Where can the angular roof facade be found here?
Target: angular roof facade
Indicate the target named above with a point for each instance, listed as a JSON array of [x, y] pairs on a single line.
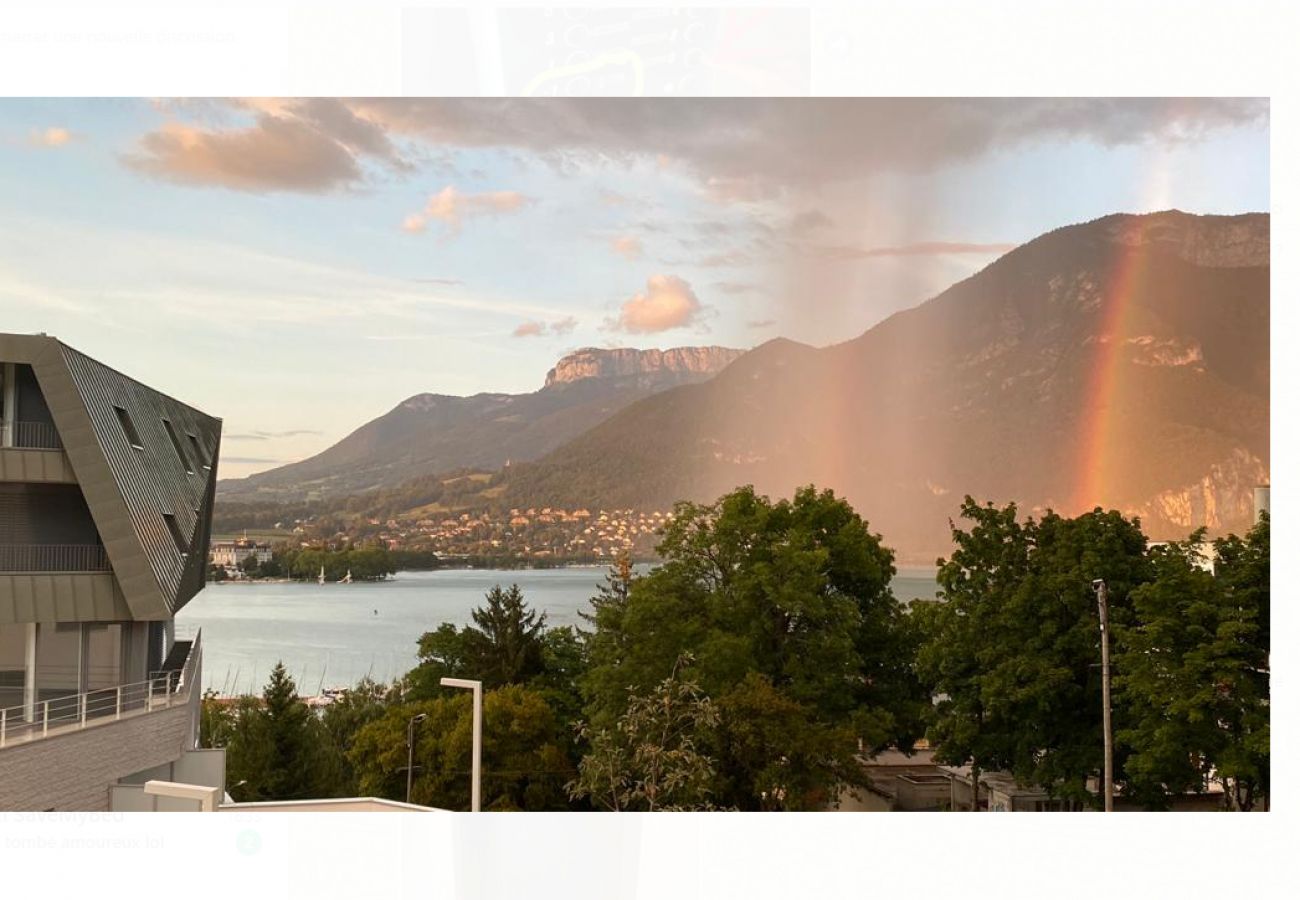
[[146, 464]]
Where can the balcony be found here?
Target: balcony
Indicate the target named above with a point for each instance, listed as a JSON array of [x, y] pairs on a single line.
[[32, 436], [164, 690], [53, 558]]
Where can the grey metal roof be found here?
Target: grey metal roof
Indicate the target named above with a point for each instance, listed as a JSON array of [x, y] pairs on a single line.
[[131, 490]]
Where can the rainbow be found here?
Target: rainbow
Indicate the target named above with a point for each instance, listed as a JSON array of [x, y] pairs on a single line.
[[1100, 448]]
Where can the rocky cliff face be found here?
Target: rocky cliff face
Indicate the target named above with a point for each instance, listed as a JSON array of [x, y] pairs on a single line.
[[593, 362], [1201, 240]]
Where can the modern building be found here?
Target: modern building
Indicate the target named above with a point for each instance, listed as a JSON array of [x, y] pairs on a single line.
[[106, 493]]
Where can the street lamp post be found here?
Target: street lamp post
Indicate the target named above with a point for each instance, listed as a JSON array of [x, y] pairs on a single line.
[[1103, 613], [410, 751], [476, 772]]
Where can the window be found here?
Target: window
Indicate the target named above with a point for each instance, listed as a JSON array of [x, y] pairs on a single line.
[[198, 451], [128, 427], [181, 544], [180, 451]]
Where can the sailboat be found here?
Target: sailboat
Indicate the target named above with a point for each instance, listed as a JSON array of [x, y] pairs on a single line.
[[347, 579], [320, 579]]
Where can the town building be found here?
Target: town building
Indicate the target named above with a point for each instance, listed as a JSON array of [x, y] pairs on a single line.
[[106, 494], [231, 554], [899, 782]]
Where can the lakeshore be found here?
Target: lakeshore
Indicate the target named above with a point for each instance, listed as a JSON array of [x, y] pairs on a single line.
[[332, 635]]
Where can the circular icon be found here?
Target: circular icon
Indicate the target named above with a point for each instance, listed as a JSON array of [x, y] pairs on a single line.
[[248, 842]]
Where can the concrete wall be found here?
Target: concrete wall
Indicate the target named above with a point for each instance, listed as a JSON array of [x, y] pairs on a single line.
[[35, 466]]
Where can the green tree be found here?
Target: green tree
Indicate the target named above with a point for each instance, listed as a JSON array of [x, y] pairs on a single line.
[[795, 591], [507, 638], [503, 645], [564, 664], [525, 765], [779, 752], [445, 651], [344, 718], [1011, 652], [216, 721], [1193, 673], [651, 759], [278, 748]]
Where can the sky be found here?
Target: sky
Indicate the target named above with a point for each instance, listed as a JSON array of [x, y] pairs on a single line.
[[298, 267]]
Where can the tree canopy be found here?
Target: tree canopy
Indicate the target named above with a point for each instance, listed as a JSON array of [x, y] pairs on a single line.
[[793, 592], [1193, 672]]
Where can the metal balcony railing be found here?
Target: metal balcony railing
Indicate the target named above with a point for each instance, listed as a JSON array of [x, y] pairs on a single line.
[[35, 436], [53, 558], [58, 715]]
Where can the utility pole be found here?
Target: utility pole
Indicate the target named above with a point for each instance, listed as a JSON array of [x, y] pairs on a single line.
[[1103, 612], [410, 751]]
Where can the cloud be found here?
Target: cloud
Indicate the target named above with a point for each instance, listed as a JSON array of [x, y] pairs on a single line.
[[668, 302], [735, 287], [761, 323], [451, 207], [274, 155], [617, 199], [922, 248], [305, 146], [744, 149], [739, 149], [268, 435], [49, 137], [538, 328], [529, 329], [809, 221], [627, 246], [734, 258]]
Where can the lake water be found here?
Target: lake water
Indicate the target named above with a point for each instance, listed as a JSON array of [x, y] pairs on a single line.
[[334, 634]]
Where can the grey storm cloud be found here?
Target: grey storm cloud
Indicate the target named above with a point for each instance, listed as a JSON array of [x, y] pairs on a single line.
[[740, 149]]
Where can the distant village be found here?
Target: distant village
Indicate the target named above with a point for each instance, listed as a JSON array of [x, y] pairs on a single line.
[[535, 535]]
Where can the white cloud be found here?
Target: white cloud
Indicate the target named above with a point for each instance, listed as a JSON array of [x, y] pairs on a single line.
[[50, 137], [451, 207], [531, 328], [538, 328], [628, 246], [667, 302]]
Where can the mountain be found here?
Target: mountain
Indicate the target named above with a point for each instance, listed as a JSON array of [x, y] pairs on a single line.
[[432, 433], [1122, 362]]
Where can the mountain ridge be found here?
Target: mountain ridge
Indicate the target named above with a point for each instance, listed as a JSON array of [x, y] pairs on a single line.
[[985, 389], [430, 432]]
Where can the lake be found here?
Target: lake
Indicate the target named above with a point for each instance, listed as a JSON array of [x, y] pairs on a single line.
[[332, 635]]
